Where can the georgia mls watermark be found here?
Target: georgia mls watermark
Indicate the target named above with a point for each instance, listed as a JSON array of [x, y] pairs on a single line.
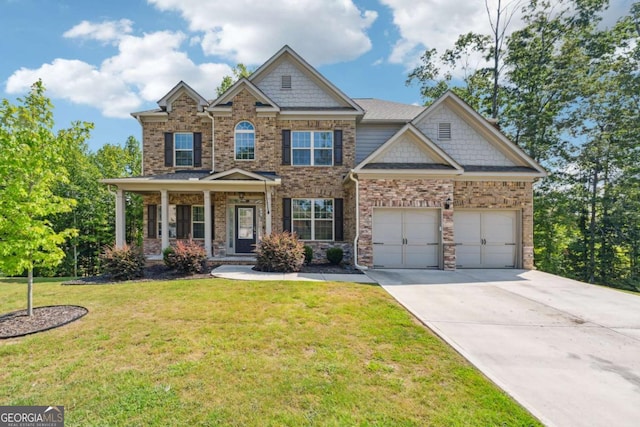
[[31, 416]]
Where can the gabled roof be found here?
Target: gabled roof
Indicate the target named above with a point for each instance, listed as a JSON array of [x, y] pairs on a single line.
[[165, 101], [287, 52], [486, 129], [241, 174], [443, 163], [378, 110], [237, 87]]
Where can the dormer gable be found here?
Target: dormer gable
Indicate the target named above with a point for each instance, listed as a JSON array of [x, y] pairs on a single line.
[[409, 150], [225, 101], [165, 103], [470, 139], [291, 82]]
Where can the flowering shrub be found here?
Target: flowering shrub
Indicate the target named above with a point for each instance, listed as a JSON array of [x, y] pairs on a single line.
[[123, 263], [281, 252], [186, 257]]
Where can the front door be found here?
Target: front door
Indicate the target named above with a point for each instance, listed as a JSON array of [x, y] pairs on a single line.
[[245, 229]]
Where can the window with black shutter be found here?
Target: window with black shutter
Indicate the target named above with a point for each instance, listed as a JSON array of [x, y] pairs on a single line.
[[337, 147], [286, 147], [152, 221], [183, 221]]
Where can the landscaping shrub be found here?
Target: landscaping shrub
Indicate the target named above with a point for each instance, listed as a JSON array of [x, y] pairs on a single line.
[[186, 257], [334, 255], [123, 264], [308, 254], [281, 252]]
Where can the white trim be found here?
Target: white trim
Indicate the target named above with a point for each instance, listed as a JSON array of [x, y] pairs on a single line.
[[166, 101], [235, 142], [257, 75], [313, 219], [428, 144], [208, 229], [493, 135], [243, 83], [312, 147]]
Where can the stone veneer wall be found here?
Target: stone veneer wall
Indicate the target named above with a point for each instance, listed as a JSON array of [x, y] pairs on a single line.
[[405, 193], [501, 195], [182, 118]]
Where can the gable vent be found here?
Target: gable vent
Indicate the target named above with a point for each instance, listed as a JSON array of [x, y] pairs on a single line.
[[444, 130], [286, 82]]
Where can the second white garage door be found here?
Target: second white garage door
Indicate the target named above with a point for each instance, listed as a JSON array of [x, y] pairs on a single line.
[[486, 239], [406, 238]]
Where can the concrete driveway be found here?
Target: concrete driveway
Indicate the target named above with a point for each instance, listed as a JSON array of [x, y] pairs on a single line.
[[567, 351]]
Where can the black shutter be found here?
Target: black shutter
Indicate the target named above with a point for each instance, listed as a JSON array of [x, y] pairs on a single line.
[[213, 223], [286, 147], [338, 219], [337, 147], [286, 214], [152, 221], [168, 149], [197, 149], [183, 219]]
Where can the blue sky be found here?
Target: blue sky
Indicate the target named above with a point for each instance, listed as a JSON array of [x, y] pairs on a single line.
[[102, 60]]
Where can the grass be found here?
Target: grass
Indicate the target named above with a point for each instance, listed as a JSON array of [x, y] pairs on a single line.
[[217, 352]]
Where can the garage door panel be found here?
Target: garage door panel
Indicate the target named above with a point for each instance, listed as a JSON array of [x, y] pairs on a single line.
[[386, 255], [499, 256], [499, 227], [467, 227], [468, 256], [421, 256], [387, 226], [485, 239], [406, 238]]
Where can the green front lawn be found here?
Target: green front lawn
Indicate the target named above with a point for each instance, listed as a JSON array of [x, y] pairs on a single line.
[[219, 352]]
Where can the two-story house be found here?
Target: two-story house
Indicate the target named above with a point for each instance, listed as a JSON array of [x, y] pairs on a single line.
[[394, 185]]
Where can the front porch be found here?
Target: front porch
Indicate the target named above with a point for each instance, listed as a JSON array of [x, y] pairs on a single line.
[[226, 212]]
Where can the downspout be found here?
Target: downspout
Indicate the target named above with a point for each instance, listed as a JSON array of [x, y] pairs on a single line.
[[141, 146], [213, 142], [355, 240]]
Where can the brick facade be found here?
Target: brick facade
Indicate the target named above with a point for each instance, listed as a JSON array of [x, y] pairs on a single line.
[[183, 117]]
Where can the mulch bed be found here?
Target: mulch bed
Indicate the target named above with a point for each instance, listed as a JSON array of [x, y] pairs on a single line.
[[161, 272], [18, 323]]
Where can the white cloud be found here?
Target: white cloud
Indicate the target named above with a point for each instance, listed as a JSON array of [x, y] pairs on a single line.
[[107, 31], [250, 31], [144, 69], [437, 24]]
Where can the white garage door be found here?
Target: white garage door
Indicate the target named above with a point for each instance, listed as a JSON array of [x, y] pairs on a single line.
[[406, 238], [485, 239]]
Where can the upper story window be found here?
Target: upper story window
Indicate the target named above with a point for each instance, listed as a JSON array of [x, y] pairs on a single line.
[[286, 82], [311, 148], [183, 149], [444, 130], [245, 141]]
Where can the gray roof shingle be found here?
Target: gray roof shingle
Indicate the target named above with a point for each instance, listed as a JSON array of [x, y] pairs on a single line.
[[380, 110]]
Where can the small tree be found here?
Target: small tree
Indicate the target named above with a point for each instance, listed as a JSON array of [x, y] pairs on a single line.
[[31, 167]]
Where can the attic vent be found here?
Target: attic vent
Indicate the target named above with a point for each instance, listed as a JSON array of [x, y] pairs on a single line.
[[286, 82], [444, 131]]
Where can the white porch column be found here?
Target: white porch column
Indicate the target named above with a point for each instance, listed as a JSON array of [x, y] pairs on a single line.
[[207, 223], [120, 219], [267, 202], [164, 200]]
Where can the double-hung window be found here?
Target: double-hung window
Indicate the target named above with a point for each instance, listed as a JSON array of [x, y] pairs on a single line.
[[312, 148], [245, 141], [312, 219], [197, 222], [183, 143]]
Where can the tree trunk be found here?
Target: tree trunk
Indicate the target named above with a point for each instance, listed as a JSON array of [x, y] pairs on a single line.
[[592, 228], [30, 292]]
